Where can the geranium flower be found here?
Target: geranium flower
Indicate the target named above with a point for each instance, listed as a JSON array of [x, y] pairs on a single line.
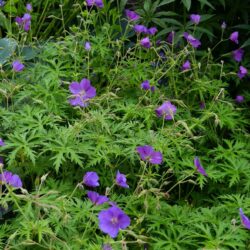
[[193, 41], [239, 98], [167, 110], [24, 22], [238, 55], [234, 37], [29, 7], [195, 18], [242, 72], [106, 247], [121, 180], [17, 66], [131, 15], [148, 154], [91, 179], [244, 219], [82, 92], [87, 46], [112, 220], [96, 198], [186, 66], [2, 142], [152, 31], [11, 179], [138, 28], [145, 42], [170, 37], [223, 25], [199, 167], [146, 86], [98, 3]]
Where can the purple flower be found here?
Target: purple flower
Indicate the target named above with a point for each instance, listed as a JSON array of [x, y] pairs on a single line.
[[145, 42], [202, 105], [11, 179], [152, 31], [244, 219], [223, 25], [112, 220], [82, 92], [106, 247], [147, 153], [186, 66], [239, 98], [29, 7], [170, 37], [167, 110], [193, 41], [24, 21], [234, 37], [87, 46], [146, 86], [121, 180], [140, 29], [242, 72], [132, 15], [90, 2], [99, 3], [1, 161], [2, 3], [17, 66], [91, 179], [199, 167], [2, 142], [238, 54], [96, 198], [195, 18]]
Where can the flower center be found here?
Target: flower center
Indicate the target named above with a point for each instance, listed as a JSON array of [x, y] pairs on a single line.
[[114, 220]]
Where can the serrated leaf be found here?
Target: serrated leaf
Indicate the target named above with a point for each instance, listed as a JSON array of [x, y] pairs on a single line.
[[7, 48], [187, 4], [165, 2], [246, 43]]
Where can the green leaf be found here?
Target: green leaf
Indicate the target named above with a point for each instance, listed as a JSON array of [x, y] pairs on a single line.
[[9, 7], [246, 43], [205, 2], [165, 2], [187, 4], [5, 22], [29, 53], [7, 48]]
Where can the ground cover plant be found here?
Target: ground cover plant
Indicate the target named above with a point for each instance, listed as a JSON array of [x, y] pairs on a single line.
[[123, 126]]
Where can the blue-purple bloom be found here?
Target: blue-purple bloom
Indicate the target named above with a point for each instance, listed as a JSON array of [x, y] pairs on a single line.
[[146, 86], [244, 219], [121, 180], [170, 37], [234, 37], [145, 42], [186, 65], [202, 105], [82, 92], [147, 153], [193, 41], [199, 167], [106, 247], [112, 220], [17, 66], [195, 18], [242, 72], [138, 28], [98, 3], [11, 179], [91, 179], [152, 31], [2, 142], [96, 198], [2, 3], [29, 7], [24, 22], [167, 110], [1, 161], [87, 46], [238, 55], [239, 98], [131, 15]]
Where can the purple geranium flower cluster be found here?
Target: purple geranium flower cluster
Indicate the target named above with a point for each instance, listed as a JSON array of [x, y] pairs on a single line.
[[147, 153], [24, 22], [11, 179], [97, 3], [113, 219], [81, 93]]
